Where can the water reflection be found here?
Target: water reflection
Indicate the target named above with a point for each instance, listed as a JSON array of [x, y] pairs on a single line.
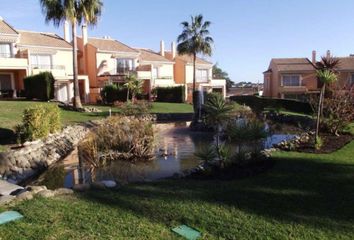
[[175, 148]]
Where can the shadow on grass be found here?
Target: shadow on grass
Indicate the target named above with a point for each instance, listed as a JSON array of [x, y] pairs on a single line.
[[7, 136], [295, 190]]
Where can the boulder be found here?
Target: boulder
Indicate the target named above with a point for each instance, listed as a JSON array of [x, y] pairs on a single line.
[[63, 191], [81, 187], [46, 193], [36, 189], [109, 183], [6, 199], [25, 196]]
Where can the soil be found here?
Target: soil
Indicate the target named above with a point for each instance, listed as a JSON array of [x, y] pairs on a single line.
[[331, 143]]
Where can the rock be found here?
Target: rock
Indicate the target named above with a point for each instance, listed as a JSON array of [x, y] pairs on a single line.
[[36, 189], [98, 186], [109, 183], [6, 199], [81, 187], [25, 196], [63, 191], [46, 193]]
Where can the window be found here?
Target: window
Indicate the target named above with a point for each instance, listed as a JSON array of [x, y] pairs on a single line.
[[291, 80], [41, 61], [201, 75], [351, 80], [5, 82], [5, 50], [125, 64]]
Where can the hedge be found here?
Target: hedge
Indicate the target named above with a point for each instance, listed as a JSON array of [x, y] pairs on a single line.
[[40, 86], [170, 94], [38, 122], [259, 104], [111, 93]]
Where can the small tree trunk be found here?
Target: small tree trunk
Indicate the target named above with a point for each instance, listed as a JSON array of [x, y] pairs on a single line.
[[127, 94], [77, 100], [319, 113], [194, 71]]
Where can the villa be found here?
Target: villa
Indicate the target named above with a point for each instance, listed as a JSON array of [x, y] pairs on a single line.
[[295, 78], [25, 53]]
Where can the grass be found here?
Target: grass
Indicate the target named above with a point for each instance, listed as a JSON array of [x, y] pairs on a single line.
[[304, 196], [11, 112]]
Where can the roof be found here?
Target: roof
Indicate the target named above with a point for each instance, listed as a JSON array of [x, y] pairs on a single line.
[[293, 64], [111, 45], [5, 28], [346, 63], [188, 58], [29, 38], [149, 55]]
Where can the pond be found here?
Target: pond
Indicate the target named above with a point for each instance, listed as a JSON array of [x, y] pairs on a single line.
[[175, 148]]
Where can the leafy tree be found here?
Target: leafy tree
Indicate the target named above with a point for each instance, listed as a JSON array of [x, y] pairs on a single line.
[[218, 73], [134, 86], [76, 12], [195, 39], [326, 74]]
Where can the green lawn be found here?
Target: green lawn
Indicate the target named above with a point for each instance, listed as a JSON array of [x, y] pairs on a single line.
[[11, 111], [304, 196]]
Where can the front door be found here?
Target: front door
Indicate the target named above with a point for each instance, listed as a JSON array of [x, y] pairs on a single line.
[[6, 85]]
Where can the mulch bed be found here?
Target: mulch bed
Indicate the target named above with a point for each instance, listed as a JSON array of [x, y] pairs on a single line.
[[331, 143]]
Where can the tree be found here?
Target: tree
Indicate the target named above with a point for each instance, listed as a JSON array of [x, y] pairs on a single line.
[[217, 111], [218, 73], [326, 74], [195, 39], [76, 12], [134, 86]]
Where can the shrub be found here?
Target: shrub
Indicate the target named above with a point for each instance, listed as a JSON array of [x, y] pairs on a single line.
[[119, 138], [170, 94], [258, 104], [111, 93], [40, 86], [138, 108], [251, 129], [38, 122]]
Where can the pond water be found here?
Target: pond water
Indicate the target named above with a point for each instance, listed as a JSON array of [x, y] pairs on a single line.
[[175, 148]]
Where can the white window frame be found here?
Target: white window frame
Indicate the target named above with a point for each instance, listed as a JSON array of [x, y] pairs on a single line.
[[38, 65], [202, 80], [125, 59], [12, 78], [11, 50], [298, 75]]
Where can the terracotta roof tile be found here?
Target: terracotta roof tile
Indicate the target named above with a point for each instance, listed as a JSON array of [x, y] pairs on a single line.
[[293, 64], [5, 28], [346, 63], [188, 58], [111, 45], [149, 55], [42, 39]]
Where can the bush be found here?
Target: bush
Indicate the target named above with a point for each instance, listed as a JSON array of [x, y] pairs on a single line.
[[111, 93], [258, 104], [138, 108], [250, 130], [38, 122], [170, 94], [40, 86]]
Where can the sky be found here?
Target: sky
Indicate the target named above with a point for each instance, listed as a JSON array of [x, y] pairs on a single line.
[[247, 33]]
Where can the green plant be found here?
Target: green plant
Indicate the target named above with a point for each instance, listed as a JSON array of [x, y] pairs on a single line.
[[40, 86], [134, 86], [206, 153], [319, 143], [139, 108], [38, 122], [249, 130], [75, 12]]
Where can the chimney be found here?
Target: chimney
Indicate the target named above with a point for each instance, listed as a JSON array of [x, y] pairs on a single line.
[[328, 54], [84, 34], [173, 49], [66, 31], [314, 57], [162, 48]]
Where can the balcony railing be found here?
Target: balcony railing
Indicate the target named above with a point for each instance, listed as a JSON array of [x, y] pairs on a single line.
[[6, 55], [125, 70], [48, 67]]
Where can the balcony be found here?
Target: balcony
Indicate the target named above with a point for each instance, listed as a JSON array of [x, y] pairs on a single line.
[[293, 89], [56, 70], [9, 61], [125, 71]]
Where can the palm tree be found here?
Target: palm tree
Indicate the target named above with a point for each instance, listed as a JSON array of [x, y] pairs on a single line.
[[133, 85], [217, 113], [326, 74], [195, 39], [76, 12]]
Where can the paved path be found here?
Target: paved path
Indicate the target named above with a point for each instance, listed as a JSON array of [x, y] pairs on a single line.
[[6, 188]]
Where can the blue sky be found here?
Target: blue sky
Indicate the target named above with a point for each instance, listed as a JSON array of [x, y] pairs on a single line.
[[247, 33]]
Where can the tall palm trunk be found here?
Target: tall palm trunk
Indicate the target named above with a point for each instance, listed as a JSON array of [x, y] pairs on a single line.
[[194, 72], [77, 100], [319, 112]]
